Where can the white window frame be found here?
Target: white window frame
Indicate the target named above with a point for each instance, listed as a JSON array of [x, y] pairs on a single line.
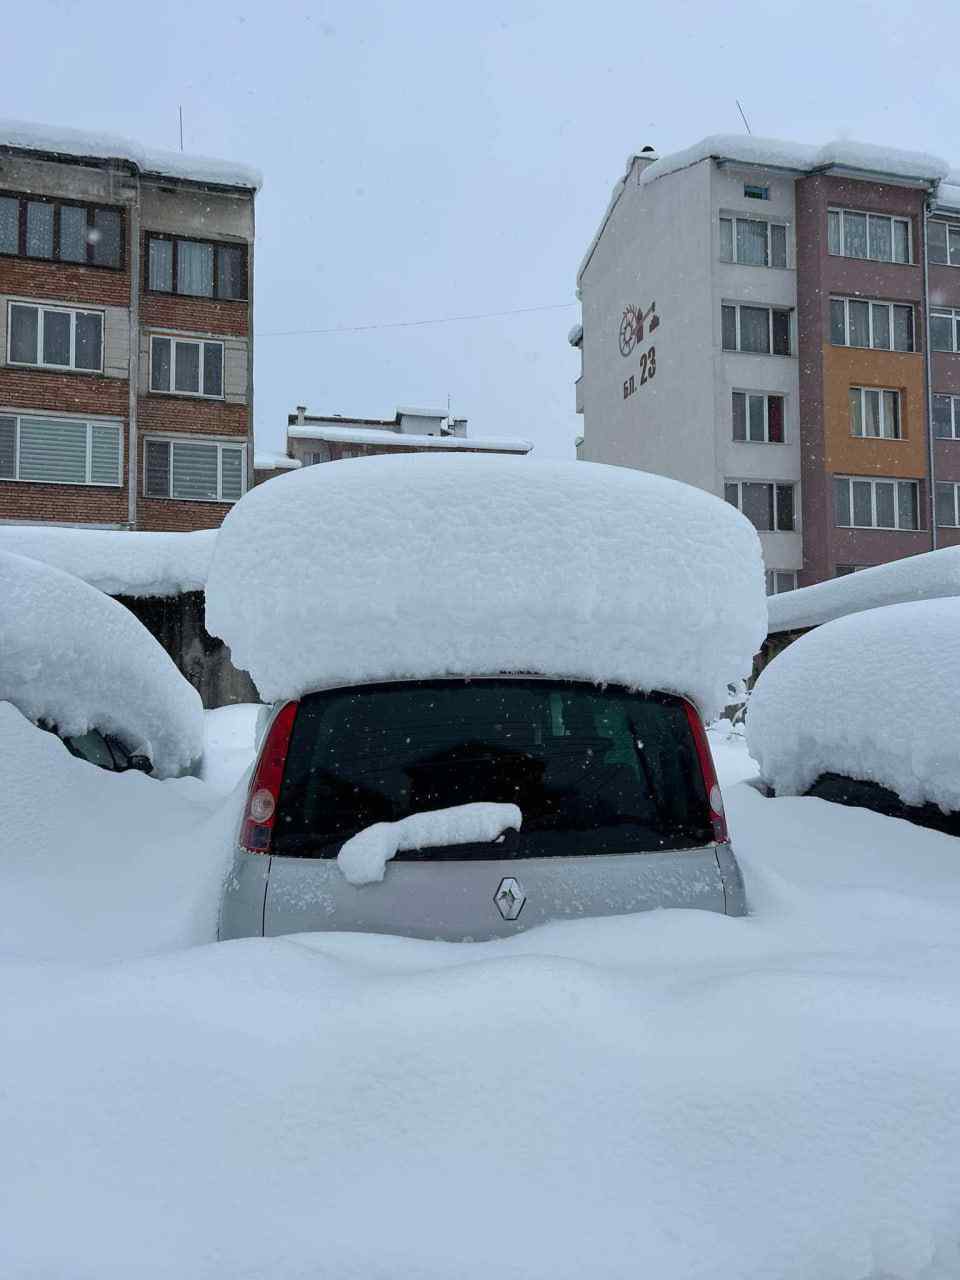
[[784, 484], [202, 343], [41, 308], [870, 304], [220, 446], [873, 481], [771, 580], [90, 423], [954, 416], [948, 484], [862, 435], [868, 214], [734, 218], [744, 391], [947, 224], [952, 314], [759, 306]]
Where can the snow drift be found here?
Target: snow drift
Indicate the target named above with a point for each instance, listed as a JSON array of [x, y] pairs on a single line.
[[382, 568], [71, 655], [874, 696]]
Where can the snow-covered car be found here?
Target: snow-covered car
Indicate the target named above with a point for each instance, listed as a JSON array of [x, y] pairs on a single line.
[[865, 711], [475, 737], [76, 662]]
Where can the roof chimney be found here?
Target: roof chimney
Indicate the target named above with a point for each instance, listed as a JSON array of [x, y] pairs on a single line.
[[646, 157], [301, 414]]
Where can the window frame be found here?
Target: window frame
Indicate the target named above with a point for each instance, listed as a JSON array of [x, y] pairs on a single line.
[[24, 198], [754, 191], [873, 481], [216, 245], [771, 576], [73, 312], [202, 343], [953, 314], [770, 309], [955, 487], [769, 224], [775, 484], [870, 304], [947, 224], [863, 435], [90, 422], [766, 395], [156, 437], [954, 415], [868, 214]]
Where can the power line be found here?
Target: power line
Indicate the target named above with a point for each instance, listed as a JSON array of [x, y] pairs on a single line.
[[410, 324]]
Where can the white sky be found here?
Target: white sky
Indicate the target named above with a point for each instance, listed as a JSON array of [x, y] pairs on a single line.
[[440, 159]]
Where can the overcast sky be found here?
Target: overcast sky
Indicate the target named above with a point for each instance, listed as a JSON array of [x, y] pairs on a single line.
[[427, 160]]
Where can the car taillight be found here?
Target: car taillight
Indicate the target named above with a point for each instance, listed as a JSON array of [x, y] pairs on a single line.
[[714, 798], [264, 794]]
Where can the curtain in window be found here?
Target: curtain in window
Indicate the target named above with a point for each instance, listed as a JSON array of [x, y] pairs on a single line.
[[881, 326], [726, 240], [194, 470], [841, 502], [859, 323], [937, 242], [187, 367], [942, 418], [907, 504], [754, 329], [903, 328], [946, 506], [862, 503], [231, 464], [9, 225], [838, 335], [8, 448], [195, 268], [856, 412], [834, 242], [53, 450], [941, 331], [881, 242], [104, 454], [886, 518], [56, 338], [161, 265], [751, 242], [855, 235]]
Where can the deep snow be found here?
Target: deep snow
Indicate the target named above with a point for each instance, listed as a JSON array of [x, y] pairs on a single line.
[[422, 565]]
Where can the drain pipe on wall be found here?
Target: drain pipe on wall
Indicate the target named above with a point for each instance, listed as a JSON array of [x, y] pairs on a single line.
[[133, 462], [928, 374]]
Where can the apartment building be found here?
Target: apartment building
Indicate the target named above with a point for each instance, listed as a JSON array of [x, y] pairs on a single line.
[[126, 342], [780, 324]]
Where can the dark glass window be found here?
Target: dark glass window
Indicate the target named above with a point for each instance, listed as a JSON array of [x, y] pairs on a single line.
[[39, 229], [593, 771], [106, 238], [61, 231]]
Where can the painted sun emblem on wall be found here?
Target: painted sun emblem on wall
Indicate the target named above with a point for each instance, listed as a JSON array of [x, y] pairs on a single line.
[[633, 323]]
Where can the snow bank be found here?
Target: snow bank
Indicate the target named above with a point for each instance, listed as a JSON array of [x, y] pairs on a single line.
[[86, 145], [116, 561], [923, 577], [874, 696], [364, 857], [419, 566], [229, 743], [72, 655]]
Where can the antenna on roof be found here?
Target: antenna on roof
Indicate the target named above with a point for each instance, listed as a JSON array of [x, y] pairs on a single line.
[[736, 100], [180, 109]]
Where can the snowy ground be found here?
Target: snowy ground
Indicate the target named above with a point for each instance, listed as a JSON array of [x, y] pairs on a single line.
[[673, 1094]]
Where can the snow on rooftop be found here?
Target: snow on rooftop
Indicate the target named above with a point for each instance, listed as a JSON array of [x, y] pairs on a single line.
[[400, 439], [415, 566], [921, 577], [117, 561], [421, 413], [872, 696], [263, 460], [86, 145], [71, 655]]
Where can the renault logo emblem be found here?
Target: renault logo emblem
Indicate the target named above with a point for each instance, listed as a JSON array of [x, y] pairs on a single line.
[[510, 898]]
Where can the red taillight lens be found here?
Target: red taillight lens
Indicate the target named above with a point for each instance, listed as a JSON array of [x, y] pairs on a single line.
[[711, 786], [261, 811]]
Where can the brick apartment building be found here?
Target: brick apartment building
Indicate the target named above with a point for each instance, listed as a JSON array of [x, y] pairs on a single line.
[[780, 324], [329, 438], [126, 348]]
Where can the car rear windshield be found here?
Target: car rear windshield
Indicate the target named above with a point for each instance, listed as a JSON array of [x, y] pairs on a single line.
[[593, 770]]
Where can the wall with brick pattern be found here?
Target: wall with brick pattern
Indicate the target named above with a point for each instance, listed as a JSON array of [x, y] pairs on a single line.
[[70, 393], [180, 517], [193, 315], [65, 282], [192, 417]]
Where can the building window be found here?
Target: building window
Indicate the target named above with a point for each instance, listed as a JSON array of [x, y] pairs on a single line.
[[946, 417], [764, 330], [948, 505], [186, 367], [943, 243], [751, 242], [876, 504], [875, 412], [844, 570], [55, 337], [194, 470], [60, 450], [196, 268], [886, 326], [768, 506], [779, 580], [868, 235], [61, 231], [752, 192], [757, 417], [944, 326]]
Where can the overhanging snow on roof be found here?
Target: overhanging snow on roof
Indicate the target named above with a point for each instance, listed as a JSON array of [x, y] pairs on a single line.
[[79, 144], [364, 435]]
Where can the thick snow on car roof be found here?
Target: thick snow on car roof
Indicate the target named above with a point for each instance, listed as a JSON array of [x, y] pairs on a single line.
[[71, 655], [424, 565], [874, 696]]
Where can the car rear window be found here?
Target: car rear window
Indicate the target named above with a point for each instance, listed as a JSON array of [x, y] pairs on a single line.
[[593, 770]]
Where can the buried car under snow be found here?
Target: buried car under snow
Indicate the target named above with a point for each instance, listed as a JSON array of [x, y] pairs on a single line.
[[489, 676], [78, 663]]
